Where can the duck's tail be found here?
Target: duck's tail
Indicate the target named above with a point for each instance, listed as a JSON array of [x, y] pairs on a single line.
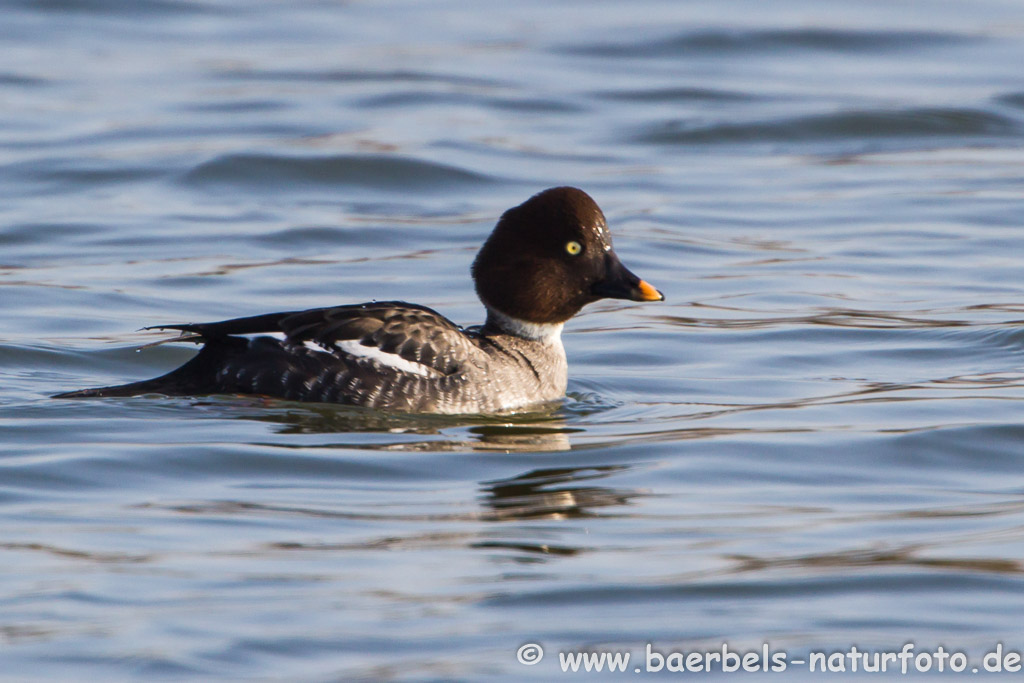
[[158, 385], [191, 378]]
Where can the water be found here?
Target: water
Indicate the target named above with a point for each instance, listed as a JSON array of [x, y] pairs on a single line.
[[813, 443]]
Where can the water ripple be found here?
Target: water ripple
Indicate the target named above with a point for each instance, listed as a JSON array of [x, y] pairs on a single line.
[[728, 41], [356, 76], [404, 99], [275, 171], [676, 94], [839, 126], [21, 80]]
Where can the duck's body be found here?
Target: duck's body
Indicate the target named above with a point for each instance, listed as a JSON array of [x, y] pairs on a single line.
[[543, 262], [387, 355]]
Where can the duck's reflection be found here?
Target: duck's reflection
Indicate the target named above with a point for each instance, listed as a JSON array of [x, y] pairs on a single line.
[[554, 493], [546, 494], [549, 494], [540, 430]]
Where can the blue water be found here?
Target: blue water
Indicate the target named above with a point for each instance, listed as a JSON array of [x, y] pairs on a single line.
[[814, 443]]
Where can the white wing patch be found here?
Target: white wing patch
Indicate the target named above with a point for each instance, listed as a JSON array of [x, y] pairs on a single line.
[[279, 336], [392, 360]]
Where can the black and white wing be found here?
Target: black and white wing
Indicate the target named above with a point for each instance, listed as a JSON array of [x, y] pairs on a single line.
[[405, 337]]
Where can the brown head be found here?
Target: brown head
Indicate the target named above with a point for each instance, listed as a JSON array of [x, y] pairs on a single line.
[[550, 256]]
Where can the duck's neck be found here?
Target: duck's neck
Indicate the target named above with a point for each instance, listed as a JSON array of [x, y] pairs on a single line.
[[549, 333]]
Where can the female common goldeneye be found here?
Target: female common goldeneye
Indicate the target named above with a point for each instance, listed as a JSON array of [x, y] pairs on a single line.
[[544, 261]]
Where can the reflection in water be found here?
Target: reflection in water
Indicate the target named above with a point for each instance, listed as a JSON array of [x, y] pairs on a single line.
[[542, 429], [542, 494], [525, 438], [537, 494], [550, 494], [554, 494], [897, 557]]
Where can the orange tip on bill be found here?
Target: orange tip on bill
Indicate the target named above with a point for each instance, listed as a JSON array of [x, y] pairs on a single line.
[[649, 293]]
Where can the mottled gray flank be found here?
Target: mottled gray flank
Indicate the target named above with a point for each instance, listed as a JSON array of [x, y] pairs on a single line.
[[490, 371]]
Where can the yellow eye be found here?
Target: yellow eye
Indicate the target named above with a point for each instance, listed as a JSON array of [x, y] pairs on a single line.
[[573, 247]]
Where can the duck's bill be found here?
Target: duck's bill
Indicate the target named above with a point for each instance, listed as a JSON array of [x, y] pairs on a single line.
[[620, 283], [646, 292]]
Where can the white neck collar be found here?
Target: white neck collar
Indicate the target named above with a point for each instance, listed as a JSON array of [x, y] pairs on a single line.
[[550, 333]]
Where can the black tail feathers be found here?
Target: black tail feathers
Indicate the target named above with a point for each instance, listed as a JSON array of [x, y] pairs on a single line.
[[149, 386], [192, 378]]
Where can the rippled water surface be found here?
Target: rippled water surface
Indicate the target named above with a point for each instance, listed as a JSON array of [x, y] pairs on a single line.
[[814, 443]]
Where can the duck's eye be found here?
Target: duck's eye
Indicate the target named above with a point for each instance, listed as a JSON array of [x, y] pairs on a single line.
[[573, 247]]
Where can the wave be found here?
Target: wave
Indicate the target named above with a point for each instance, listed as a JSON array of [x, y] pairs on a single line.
[[914, 122], [719, 41], [339, 169]]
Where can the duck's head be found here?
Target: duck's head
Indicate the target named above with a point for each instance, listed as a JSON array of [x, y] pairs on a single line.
[[549, 257]]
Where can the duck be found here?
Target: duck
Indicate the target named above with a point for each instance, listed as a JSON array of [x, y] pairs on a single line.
[[544, 261]]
